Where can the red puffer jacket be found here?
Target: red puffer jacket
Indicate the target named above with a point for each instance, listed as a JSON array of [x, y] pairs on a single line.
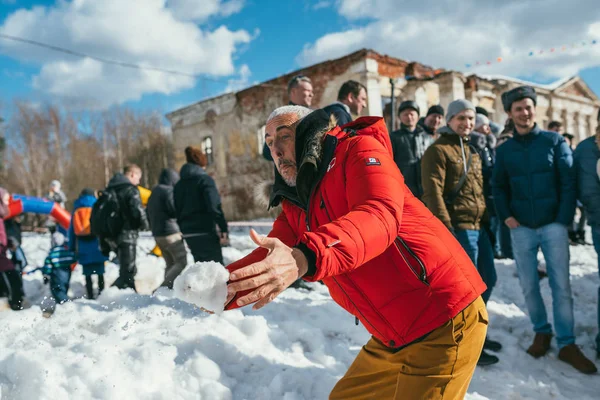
[[383, 255]]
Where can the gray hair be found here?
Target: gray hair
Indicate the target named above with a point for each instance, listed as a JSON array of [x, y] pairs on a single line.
[[300, 111], [295, 81]]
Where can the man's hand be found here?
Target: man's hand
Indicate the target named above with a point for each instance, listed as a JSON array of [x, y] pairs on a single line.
[[271, 276], [224, 239], [512, 223]]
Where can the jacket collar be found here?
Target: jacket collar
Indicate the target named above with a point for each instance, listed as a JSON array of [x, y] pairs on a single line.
[[535, 131]]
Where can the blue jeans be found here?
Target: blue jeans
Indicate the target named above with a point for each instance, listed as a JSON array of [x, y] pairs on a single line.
[[469, 241], [478, 247], [596, 240], [554, 241], [495, 228], [59, 284], [485, 264]]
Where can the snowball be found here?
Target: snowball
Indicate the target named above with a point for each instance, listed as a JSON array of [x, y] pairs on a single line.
[[203, 284]]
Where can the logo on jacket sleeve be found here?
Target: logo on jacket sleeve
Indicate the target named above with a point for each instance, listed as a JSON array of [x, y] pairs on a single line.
[[372, 161]]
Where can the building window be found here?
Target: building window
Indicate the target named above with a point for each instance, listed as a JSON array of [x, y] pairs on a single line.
[[207, 149], [260, 135]]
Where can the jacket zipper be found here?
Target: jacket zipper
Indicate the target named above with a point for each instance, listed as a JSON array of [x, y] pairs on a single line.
[[420, 276], [356, 308], [323, 206], [529, 187]]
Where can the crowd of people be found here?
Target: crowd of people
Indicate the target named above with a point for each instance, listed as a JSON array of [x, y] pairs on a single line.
[[422, 210], [178, 211], [355, 196]]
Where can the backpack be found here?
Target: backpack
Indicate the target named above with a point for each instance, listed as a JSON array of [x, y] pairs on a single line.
[[106, 220], [81, 223]]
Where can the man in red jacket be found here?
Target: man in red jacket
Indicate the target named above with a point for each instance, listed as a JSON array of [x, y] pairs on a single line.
[[349, 220]]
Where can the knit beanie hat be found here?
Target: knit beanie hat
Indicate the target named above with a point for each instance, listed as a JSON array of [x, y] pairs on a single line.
[[409, 104], [437, 109], [457, 106], [58, 239], [481, 120], [87, 192]]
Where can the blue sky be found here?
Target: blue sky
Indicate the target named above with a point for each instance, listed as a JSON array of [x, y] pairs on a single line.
[[251, 41]]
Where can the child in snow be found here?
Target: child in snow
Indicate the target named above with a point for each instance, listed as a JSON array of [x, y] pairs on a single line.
[[84, 244], [57, 268]]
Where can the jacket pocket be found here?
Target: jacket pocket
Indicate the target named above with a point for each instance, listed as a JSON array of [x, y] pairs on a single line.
[[412, 261]]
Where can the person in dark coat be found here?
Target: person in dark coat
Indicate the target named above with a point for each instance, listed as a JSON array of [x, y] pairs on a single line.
[[409, 144], [587, 161], [352, 99], [163, 223], [11, 285], [534, 191], [134, 220], [198, 209], [87, 248], [433, 120], [577, 228]]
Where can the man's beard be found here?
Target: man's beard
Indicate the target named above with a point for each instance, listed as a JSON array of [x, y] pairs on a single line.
[[290, 181]]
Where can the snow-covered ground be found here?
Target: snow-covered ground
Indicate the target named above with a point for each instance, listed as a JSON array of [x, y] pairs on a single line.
[[137, 346]]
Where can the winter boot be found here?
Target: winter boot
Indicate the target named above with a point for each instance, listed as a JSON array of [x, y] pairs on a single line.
[[492, 345], [487, 359], [572, 355], [541, 345]]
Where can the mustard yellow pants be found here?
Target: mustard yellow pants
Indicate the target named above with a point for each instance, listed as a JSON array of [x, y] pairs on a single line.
[[439, 367]]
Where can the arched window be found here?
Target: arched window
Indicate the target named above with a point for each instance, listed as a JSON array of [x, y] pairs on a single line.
[[207, 149]]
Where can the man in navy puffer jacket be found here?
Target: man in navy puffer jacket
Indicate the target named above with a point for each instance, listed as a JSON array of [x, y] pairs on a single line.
[[533, 185]]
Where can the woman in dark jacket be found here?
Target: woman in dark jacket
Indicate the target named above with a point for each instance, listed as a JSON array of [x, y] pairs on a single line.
[[11, 284], [198, 209]]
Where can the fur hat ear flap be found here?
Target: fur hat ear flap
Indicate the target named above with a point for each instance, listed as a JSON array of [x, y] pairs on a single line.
[[332, 122], [262, 193]]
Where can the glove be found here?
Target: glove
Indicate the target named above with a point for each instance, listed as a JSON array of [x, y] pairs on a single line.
[[46, 279]]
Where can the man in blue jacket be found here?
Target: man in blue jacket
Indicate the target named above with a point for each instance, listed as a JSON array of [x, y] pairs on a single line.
[[586, 158], [533, 185]]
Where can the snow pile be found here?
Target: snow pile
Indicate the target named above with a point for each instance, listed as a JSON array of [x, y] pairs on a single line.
[[203, 284], [143, 346]]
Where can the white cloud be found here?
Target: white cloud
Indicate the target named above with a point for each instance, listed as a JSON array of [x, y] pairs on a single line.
[[321, 4], [451, 34], [201, 10], [242, 82], [145, 32]]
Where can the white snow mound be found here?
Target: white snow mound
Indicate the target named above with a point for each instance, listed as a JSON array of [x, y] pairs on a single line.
[[203, 284]]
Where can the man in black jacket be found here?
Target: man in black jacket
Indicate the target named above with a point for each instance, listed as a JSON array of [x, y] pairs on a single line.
[[163, 223], [433, 120], [352, 98], [134, 220], [198, 209], [409, 143]]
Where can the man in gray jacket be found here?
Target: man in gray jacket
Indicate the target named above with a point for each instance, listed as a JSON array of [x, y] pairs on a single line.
[[163, 222]]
